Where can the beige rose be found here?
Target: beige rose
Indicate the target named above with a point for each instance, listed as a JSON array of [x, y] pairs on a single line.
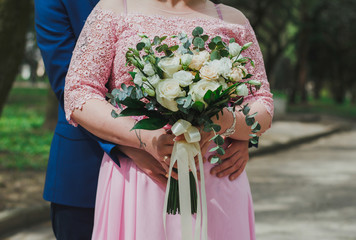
[[238, 73], [209, 72], [167, 90], [199, 60]]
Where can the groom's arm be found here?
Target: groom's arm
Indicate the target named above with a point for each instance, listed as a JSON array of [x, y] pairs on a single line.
[[56, 40]]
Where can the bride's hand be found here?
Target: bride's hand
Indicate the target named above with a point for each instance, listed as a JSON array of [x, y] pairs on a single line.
[[233, 161], [148, 164]]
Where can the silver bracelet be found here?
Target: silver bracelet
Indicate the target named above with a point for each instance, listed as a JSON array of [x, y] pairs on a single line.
[[228, 132]]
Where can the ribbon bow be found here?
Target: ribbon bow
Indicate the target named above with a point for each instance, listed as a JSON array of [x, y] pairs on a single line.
[[184, 153]]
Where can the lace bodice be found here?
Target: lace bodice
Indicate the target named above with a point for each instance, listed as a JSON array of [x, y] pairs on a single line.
[[98, 62]]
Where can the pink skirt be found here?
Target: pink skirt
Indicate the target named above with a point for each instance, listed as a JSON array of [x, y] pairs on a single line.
[[129, 206]]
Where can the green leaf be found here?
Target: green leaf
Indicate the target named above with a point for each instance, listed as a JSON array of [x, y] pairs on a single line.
[[197, 31], [232, 40], [214, 149], [208, 97], [162, 48], [239, 101], [199, 42], [199, 106], [150, 124], [250, 121], [163, 38], [133, 74], [132, 112], [215, 160], [216, 127], [114, 114], [205, 37], [246, 110], [215, 55], [220, 151], [133, 103], [140, 46], [252, 115], [253, 141], [174, 48], [212, 45], [156, 40], [224, 53], [216, 39], [219, 140]]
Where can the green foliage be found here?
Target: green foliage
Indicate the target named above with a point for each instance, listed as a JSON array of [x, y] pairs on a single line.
[[24, 144]]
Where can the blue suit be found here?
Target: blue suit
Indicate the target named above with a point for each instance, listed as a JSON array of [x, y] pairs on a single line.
[[75, 155]]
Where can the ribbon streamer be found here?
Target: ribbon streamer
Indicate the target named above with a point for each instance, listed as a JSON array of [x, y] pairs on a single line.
[[184, 153]]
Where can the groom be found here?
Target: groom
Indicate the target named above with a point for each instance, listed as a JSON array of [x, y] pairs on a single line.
[[75, 155]]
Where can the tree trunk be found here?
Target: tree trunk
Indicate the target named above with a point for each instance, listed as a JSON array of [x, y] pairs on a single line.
[[14, 20]]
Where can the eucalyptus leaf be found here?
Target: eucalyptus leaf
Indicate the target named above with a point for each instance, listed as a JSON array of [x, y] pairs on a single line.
[[199, 42], [197, 31], [220, 151], [114, 114], [219, 140], [250, 121], [215, 55], [215, 160], [246, 110], [212, 45], [214, 149], [216, 127], [140, 46]]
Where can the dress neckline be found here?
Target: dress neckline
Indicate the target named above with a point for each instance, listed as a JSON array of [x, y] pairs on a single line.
[[170, 18]]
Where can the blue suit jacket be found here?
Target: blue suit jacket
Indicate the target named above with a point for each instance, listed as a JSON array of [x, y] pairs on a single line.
[[75, 155]]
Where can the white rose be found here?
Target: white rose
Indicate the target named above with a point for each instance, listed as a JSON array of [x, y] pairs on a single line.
[[138, 78], [186, 59], [199, 60], [167, 90], [234, 49], [242, 90], [199, 89], [170, 65], [223, 83], [238, 73], [184, 78], [154, 80], [223, 66], [209, 72], [148, 69]]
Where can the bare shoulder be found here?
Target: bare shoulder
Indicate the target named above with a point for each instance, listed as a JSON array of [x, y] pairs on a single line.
[[116, 6], [232, 15]]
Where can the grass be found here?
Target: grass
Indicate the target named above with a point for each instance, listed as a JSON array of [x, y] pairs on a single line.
[[24, 144], [325, 105]]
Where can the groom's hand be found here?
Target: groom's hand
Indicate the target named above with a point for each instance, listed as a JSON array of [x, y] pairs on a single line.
[[147, 163], [233, 161]]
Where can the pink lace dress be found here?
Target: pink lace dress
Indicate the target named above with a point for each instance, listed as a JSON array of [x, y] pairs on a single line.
[[129, 204]]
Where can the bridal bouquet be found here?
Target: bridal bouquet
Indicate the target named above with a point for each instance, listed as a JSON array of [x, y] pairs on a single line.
[[185, 86]]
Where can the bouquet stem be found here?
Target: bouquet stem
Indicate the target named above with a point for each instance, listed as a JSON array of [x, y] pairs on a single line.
[[173, 196]]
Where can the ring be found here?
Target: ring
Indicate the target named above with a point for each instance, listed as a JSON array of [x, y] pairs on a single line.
[[165, 158], [167, 175]]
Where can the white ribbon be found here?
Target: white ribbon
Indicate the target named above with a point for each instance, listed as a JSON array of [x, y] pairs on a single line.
[[184, 153]]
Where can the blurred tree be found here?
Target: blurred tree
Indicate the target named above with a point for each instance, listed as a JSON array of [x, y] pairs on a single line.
[[271, 20], [332, 52], [14, 20]]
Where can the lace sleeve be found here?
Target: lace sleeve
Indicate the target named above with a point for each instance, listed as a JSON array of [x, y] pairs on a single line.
[[91, 63], [263, 95]]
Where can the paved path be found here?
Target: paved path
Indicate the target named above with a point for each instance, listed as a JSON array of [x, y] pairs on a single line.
[[305, 193], [308, 192]]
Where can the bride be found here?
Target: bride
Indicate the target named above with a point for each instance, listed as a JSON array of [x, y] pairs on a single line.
[[129, 203]]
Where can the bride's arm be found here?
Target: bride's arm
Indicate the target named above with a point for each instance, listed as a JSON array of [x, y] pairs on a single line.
[[260, 101], [85, 88]]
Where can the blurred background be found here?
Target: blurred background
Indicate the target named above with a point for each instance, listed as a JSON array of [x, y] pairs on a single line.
[[309, 53]]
